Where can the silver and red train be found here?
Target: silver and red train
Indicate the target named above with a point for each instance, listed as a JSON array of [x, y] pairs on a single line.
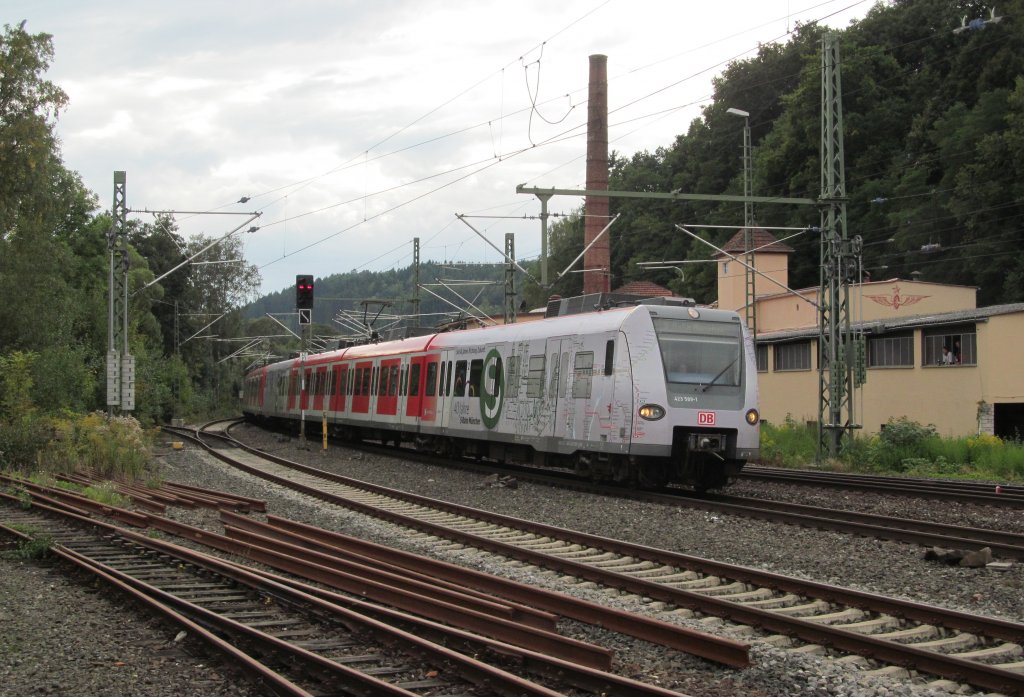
[[646, 395]]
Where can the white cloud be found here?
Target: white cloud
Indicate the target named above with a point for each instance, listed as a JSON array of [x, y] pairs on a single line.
[[203, 103]]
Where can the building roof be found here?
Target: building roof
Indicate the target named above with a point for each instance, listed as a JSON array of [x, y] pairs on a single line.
[[760, 239], [979, 314], [644, 289]]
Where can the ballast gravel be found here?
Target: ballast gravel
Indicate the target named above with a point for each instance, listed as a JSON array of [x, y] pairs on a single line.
[[888, 568]]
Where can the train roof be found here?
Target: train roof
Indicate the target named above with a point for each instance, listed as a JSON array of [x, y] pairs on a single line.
[[566, 325]]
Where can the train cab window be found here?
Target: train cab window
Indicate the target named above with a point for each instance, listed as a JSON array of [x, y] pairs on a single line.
[[475, 369], [431, 379], [700, 353], [460, 379], [582, 374], [609, 357], [414, 380], [535, 379], [393, 381]]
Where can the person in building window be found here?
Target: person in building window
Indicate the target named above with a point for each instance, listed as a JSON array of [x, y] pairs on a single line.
[[947, 356], [956, 351]]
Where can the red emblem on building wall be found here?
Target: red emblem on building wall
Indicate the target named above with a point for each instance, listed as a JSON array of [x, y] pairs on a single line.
[[896, 301]]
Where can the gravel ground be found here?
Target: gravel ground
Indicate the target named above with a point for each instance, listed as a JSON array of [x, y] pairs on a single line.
[[67, 659]]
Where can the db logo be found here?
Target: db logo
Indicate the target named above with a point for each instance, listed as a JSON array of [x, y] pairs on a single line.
[[705, 418]]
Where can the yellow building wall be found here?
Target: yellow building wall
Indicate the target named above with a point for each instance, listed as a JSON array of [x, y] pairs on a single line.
[[944, 396], [870, 302], [999, 352], [732, 280]]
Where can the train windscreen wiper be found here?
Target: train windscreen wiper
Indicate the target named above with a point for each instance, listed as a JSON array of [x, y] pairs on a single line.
[[704, 388]]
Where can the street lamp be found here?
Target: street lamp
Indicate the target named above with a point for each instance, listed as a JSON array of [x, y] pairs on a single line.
[[748, 222]]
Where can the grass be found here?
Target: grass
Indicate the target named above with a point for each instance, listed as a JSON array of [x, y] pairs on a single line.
[[903, 447], [38, 547]]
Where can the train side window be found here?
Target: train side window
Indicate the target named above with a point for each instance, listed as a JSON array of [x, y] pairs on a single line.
[[414, 380], [440, 383], [431, 379], [535, 379], [403, 381], [582, 374], [476, 367], [358, 382], [365, 385], [609, 356], [512, 383], [382, 378], [343, 381], [448, 382], [308, 382], [460, 379]]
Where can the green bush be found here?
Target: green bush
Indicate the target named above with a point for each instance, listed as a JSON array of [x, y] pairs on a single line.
[[111, 447], [903, 446]]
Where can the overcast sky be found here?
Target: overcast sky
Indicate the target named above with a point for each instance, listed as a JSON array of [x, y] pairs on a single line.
[[356, 126]]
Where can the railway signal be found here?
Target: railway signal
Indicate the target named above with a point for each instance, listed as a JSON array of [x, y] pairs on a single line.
[[304, 292]]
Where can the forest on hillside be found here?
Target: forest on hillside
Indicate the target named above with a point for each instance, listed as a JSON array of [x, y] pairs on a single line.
[[934, 145], [934, 138]]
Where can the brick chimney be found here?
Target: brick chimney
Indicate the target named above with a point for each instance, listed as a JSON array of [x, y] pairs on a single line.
[[597, 260]]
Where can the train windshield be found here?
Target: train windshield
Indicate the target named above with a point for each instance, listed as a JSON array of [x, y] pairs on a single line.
[[700, 353]]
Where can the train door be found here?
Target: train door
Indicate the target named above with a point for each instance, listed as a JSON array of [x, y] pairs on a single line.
[[293, 389], [361, 387], [337, 399], [558, 366], [414, 401], [444, 389], [431, 368], [318, 388], [387, 387]]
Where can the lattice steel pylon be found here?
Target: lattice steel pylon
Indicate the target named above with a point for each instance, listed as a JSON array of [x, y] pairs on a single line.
[[120, 364], [836, 403], [510, 278]]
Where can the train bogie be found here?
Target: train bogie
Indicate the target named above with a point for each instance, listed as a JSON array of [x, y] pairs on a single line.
[[640, 395]]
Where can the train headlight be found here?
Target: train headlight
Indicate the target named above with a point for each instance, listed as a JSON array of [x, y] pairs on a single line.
[[651, 412], [752, 417]]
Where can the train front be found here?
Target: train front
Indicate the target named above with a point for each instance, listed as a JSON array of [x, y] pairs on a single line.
[[707, 372]]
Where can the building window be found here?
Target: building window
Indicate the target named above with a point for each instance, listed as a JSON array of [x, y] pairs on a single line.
[[951, 345], [795, 355], [891, 351], [762, 358]]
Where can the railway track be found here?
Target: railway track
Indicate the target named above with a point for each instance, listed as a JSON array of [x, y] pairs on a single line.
[[862, 628], [962, 491], [1003, 544], [301, 640]]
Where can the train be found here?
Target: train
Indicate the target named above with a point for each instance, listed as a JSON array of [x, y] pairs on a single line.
[[645, 394]]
